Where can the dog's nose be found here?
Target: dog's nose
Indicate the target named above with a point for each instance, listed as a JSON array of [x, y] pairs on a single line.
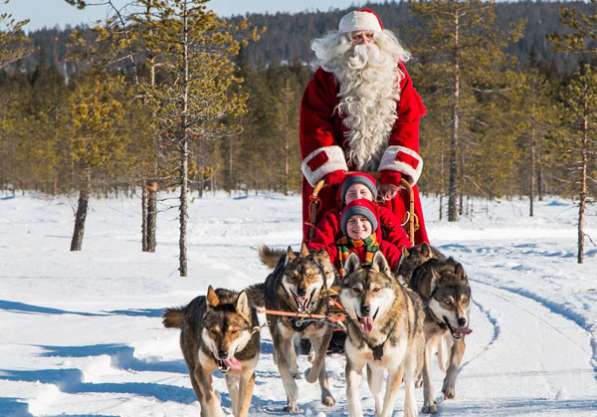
[[301, 292], [223, 354], [365, 309], [461, 321]]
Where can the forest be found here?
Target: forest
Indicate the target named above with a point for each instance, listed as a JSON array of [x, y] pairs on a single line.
[[92, 107]]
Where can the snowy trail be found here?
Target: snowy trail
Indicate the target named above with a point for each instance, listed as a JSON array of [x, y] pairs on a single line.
[[83, 335]]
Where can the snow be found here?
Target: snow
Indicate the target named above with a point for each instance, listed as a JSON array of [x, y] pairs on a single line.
[[82, 334]]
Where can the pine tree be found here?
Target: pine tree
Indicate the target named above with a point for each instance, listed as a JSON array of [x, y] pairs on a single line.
[[580, 99], [463, 47], [201, 90], [14, 45], [539, 122], [95, 118]]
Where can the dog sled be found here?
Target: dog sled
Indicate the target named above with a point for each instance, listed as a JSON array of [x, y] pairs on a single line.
[[335, 316], [411, 223]]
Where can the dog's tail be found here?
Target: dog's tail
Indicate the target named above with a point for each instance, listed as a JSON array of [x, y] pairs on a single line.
[[270, 257], [256, 295], [173, 317]]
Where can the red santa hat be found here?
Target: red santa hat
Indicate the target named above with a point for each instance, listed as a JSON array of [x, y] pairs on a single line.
[[362, 19]]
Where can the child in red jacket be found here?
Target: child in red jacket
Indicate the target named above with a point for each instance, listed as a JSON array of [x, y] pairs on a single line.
[[362, 185], [356, 229]]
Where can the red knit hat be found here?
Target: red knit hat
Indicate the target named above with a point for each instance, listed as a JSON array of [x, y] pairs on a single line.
[[362, 19], [360, 207]]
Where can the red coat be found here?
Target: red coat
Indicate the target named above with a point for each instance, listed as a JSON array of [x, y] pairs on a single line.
[[391, 236], [322, 142]]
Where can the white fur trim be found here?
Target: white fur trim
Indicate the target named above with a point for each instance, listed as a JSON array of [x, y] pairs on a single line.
[[336, 161], [357, 20], [389, 162]]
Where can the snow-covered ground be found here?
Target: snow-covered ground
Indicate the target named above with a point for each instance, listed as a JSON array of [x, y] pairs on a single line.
[[82, 336]]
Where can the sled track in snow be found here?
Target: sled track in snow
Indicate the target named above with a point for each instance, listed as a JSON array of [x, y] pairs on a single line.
[[554, 307], [494, 337]]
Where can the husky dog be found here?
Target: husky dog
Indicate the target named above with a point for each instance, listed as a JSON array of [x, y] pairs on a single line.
[[446, 293], [385, 332], [219, 331], [414, 257], [299, 283]]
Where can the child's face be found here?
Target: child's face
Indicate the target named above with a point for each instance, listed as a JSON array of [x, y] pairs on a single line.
[[358, 227], [356, 191]]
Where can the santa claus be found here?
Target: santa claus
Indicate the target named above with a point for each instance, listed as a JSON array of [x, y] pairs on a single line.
[[361, 112]]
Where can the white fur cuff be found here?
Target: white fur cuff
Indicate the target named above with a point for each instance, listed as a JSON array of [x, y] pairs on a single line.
[[403, 160], [321, 162]]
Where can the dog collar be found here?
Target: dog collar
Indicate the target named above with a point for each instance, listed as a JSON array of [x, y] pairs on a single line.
[[378, 351], [439, 322]]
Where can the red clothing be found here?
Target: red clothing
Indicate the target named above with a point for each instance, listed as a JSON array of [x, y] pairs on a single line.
[[391, 236], [322, 141]]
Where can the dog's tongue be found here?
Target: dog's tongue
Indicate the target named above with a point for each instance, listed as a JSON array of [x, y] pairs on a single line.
[[233, 364], [463, 331], [366, 324], [301, 301]]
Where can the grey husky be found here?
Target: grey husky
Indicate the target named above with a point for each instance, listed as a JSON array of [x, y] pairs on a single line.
[[446, 293], [385, 333], [219, 331], [299, 283]]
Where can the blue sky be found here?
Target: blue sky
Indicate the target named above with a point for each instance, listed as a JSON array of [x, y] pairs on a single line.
[[58, 12]]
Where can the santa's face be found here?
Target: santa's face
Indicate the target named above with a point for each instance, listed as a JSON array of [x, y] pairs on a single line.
[[358, 227], [357, 191], [362, 37]]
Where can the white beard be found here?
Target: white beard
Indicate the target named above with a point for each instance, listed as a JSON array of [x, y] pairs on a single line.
[[369, 91]]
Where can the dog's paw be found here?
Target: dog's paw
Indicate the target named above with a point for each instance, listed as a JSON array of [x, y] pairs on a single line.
[[328, 400], [292, 409], [449, 392], [429, 408], [311, 376]]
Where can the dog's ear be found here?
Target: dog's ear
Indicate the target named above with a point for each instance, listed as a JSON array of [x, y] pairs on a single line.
[[352, 264], [242, 306], [425, 250], [290, 256], [424, 279], [433, 281], [405, 253], [380, 263], [459, 271], [212, 298], [304, 250], [323, 254]]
